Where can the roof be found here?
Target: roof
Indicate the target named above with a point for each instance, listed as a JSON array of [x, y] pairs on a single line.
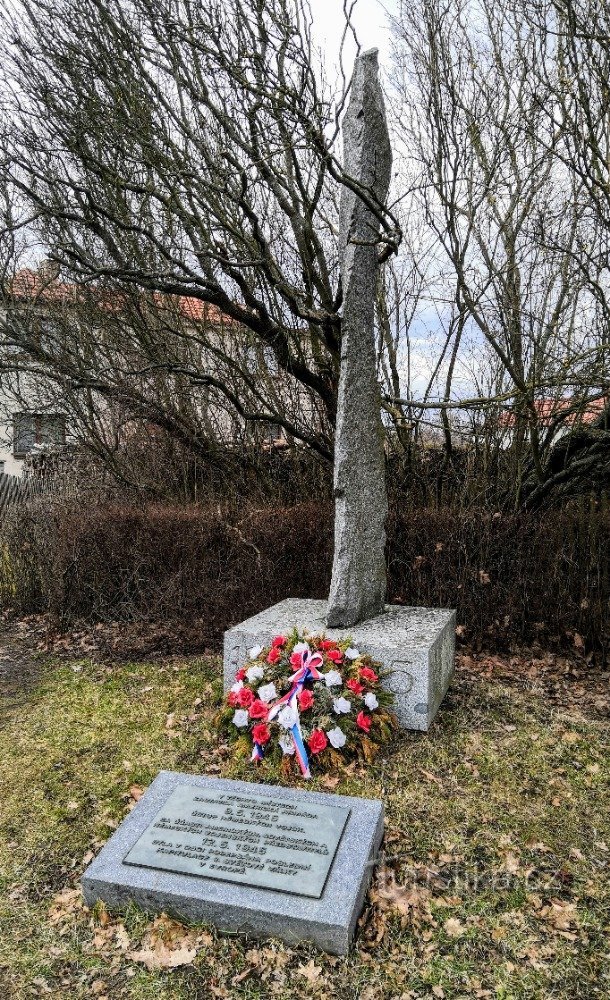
[[550, 410], [29, 284]]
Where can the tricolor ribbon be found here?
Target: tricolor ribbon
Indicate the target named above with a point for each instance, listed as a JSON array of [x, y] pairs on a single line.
[[309, 670]]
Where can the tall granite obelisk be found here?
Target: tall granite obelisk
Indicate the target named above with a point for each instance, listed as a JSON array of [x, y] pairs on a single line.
[[414, 646], [358, 586]]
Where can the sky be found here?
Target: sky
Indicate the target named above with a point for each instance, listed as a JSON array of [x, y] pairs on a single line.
[[369, 19]]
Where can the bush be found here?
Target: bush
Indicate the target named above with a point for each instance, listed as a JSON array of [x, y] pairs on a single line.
[[513, 578]]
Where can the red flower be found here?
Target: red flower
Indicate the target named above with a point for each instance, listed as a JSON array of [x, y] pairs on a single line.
[[296, 659], [355, 686], [364, 721], [245, 697], [233, 699], [261, 734], [328, 644], [317, 741], [368, 675], [335, 655], [274, 655], [258, 709], [305, 700], [278, 641], [241, 674]]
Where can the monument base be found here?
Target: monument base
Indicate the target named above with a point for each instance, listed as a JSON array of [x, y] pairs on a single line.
[[416, 644], [260, 859]]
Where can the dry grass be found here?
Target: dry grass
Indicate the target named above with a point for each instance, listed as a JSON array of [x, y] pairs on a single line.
[[495, 882]]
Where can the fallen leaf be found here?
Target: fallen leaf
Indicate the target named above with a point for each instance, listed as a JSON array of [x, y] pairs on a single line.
[[430, 777], [311, 972], [329, 782], [167, 944], [453, 927], [65, 903]]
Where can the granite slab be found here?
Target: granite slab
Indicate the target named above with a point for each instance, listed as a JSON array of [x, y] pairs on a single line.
[[416, 646], [260, 859]]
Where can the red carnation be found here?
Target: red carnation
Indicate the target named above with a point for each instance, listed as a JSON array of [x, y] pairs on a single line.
[[233, 699], [368, 675], [274, 655], [305, 700], [245, 697], [328, 644], [296, 659], [261, 734], [355, 686], [335, 655], [241, 674], [258, 709], [317, 741], [278, 641], [364, 721]]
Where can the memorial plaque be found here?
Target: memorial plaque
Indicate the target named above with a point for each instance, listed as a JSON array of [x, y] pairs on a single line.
[[251, 839], [256, 859]]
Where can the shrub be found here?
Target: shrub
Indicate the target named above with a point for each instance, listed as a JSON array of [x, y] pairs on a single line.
[[513, 578]]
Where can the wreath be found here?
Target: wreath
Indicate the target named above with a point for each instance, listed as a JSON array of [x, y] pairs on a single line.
[[307, 698]]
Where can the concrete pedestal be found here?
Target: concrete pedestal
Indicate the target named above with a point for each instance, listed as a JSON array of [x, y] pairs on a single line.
[[416, 645]]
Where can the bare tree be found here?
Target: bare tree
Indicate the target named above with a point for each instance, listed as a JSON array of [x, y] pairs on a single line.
[[507, 213], [187, 148]]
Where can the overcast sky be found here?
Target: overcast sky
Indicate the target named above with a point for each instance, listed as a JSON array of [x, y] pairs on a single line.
[[369, 18]]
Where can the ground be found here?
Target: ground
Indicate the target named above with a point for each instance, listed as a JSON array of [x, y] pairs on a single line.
[[494, 879]]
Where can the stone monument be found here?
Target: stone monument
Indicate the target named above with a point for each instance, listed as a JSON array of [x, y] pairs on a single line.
[[274, 861], [259, 859], [415, 644], [358, 585]]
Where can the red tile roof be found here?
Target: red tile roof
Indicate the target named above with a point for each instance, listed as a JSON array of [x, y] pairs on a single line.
[[549, 410], [29, 284]]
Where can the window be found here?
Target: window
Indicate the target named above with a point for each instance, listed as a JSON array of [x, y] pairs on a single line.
[[32, 431]]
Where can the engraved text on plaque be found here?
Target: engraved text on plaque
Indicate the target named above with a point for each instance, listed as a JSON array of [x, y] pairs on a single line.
[[257, 840]]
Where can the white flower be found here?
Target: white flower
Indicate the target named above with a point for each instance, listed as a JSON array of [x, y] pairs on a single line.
[[336, 737], [267, 693], [288, 717], [371, 702], [255, 652], [332, 678], [255, 674], [352, 654], [240, 718], [287, 744], [302, 647], [237, 686], [342, 706]]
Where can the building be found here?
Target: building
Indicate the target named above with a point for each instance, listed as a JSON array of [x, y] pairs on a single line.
[[31, 423]]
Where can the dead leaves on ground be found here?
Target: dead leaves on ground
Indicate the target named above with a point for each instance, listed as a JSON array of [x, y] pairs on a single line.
[[568, 682], [168, 945], [411, 904]]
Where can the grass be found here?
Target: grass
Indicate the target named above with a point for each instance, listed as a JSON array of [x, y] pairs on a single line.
[[495, 874]]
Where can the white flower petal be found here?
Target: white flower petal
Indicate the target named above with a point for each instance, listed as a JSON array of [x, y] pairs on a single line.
[[371, 702], [302, 647], [287, 743], [332, 678], [288, 717], [342, 706], [240, 718], [237, 686], [352, 653], [267, 693], [255, 652], [255, 673], [336, 737]]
